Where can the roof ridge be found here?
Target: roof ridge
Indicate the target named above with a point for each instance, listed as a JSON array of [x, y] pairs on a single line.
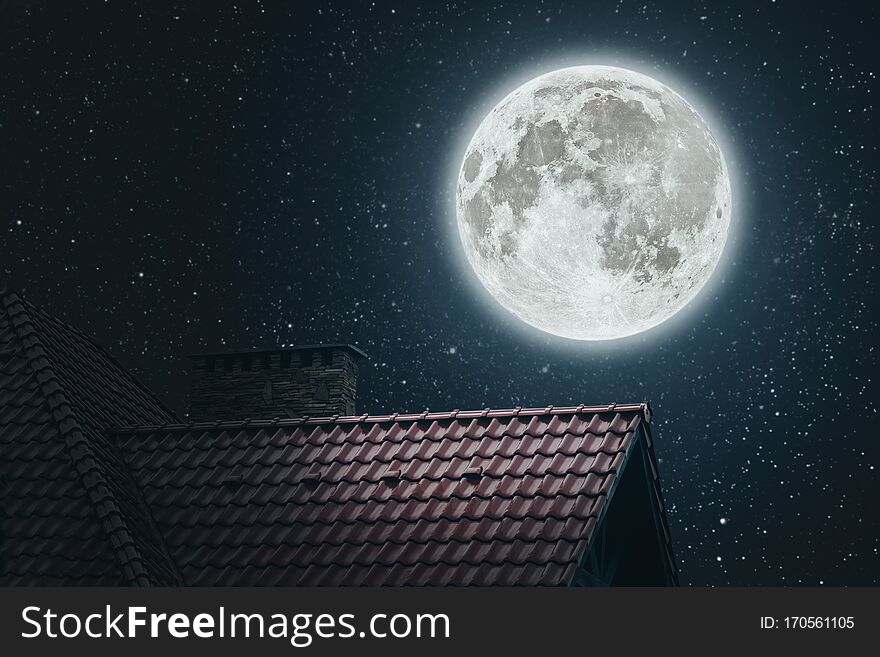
[[110, 517], [643, 408]]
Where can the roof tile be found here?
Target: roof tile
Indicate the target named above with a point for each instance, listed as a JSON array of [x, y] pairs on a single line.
[[461, 498], [68, 490]]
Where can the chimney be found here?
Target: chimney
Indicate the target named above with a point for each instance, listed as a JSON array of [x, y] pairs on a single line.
[[312, 380]]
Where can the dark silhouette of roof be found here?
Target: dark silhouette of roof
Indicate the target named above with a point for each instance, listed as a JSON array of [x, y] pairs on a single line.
[[494, 497], [71, 511]]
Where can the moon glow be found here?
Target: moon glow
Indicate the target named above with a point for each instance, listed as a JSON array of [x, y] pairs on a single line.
[[593, 202]]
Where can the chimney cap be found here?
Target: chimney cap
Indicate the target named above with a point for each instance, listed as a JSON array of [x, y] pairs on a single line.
[[340, 346]]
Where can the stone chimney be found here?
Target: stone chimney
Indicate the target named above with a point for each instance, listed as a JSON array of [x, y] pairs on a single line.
[[313, 380]]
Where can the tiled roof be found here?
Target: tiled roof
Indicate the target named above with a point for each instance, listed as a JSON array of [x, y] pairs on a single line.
[[494, 497], [71, 511]]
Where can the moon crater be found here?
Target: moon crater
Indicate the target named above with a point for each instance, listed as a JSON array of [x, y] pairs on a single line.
[[593, 202]]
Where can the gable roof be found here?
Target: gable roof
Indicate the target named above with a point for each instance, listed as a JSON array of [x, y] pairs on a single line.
[[72, 512], [493, 497]]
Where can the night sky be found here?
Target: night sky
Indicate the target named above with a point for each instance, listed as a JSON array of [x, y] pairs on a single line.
[[176, 180]]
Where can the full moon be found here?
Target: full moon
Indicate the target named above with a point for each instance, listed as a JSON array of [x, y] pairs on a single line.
[[593, 202]]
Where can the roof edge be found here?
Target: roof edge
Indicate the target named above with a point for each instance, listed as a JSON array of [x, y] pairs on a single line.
[[124, 369], [653, 467], [642, 436], [111, 519], [642, 408], [603, 509]]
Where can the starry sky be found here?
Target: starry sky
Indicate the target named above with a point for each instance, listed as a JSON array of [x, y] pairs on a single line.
[[213, 176]]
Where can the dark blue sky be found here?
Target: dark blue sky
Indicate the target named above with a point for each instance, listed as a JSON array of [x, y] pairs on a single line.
[[202, 177]]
